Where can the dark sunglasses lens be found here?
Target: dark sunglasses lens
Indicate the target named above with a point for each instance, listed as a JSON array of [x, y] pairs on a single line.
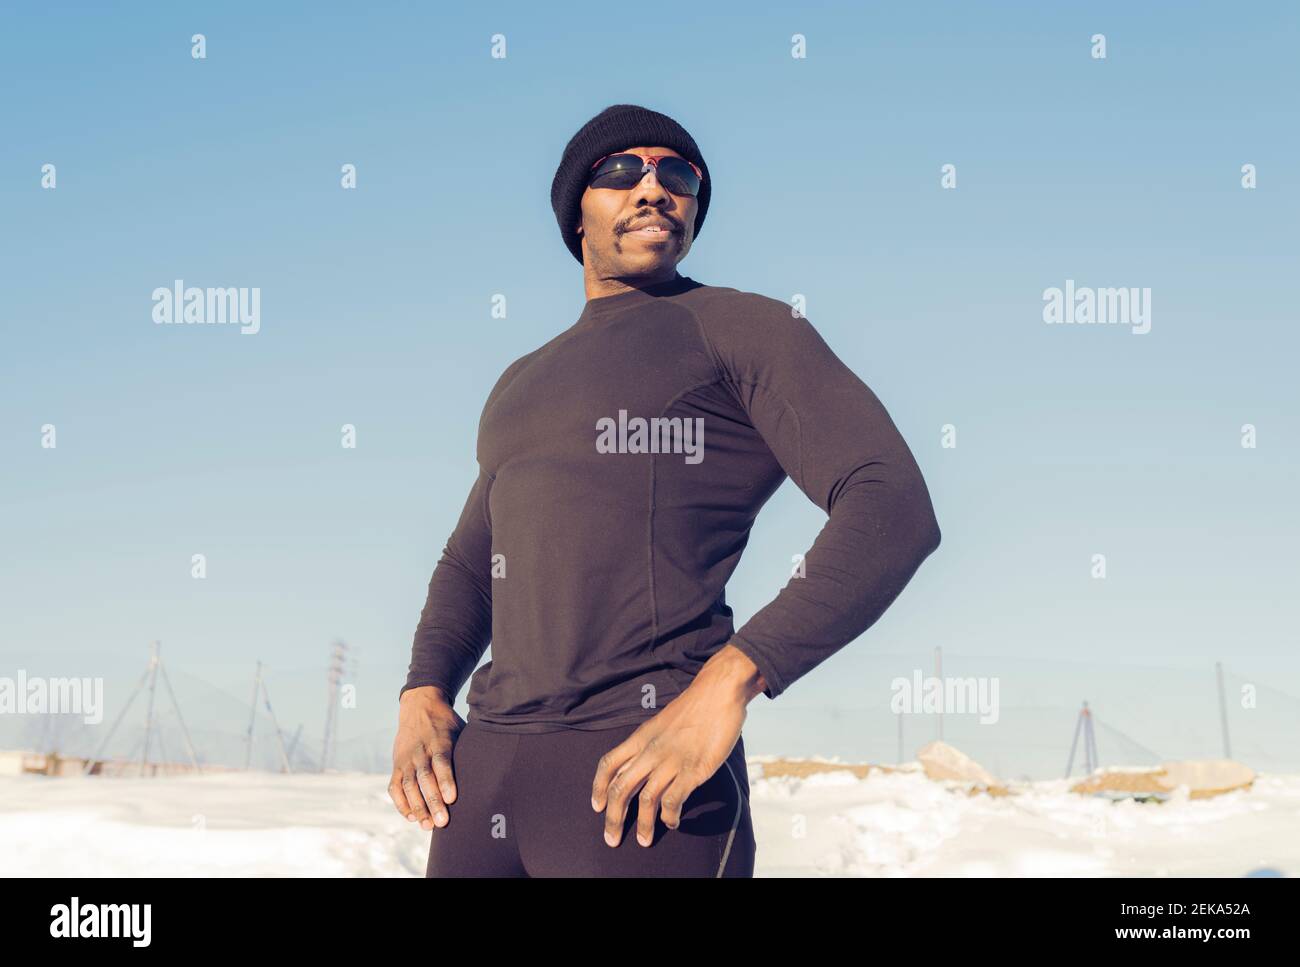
[[617, 171], [624, 171], [678, 176]]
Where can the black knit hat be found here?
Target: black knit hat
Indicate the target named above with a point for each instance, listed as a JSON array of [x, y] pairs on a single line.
[[617, 127]]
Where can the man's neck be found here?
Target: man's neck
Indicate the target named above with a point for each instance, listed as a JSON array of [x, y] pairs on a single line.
[[598, 288]]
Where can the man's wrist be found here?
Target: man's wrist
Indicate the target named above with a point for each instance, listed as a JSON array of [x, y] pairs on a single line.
[[736, 668], [427, 693]]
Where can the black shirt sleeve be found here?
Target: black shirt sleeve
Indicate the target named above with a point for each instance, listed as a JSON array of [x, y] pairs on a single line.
[[455, 626], [837, 442]]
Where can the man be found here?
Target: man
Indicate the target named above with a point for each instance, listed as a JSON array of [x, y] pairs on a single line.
[[622, 465]]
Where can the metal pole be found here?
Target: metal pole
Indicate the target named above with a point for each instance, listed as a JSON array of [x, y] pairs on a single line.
[[252, 719], [1074, 743], [189, 746], [148, 722], [1090, 740], [1223, 712], [335, 672], [279, 736], [90, 764]]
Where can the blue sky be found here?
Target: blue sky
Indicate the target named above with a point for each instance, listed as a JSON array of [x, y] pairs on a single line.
[[376, 310]]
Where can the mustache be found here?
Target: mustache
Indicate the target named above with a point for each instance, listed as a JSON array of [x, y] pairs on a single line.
[[626, 226]]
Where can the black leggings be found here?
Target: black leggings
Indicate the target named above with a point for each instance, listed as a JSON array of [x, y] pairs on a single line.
[[523, 808]]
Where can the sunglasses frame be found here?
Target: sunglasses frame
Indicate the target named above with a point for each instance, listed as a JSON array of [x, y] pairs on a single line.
[[646, 162]]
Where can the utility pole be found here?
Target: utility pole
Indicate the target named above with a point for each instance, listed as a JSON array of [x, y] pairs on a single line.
[[1083, 724], [151, 674], [337, 656], [1223, 711], [259, 686], [148, 720], [252, 718], [270, 712]]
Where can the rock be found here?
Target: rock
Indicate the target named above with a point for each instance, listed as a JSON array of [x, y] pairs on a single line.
[[942, 761], [1205, 777], [1202, 777]]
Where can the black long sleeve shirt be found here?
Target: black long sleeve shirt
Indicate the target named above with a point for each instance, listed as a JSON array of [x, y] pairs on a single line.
[[622, 465]]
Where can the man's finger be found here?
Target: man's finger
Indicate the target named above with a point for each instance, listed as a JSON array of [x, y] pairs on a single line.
[[443, 773], [648, 804], [675, 797], [622, 788], [416, 799], [424, 778], [398, 796], [609, 764]]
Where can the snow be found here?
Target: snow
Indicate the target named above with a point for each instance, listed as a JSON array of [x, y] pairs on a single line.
[[827, 824]]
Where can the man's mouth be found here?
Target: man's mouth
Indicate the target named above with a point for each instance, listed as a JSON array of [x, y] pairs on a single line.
[[655, 231]]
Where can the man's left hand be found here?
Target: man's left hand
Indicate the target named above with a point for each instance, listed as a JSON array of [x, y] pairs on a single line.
[[678, 750]]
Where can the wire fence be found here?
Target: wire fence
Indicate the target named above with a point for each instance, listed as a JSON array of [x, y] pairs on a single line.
[[1142, 715], [1022, 729]]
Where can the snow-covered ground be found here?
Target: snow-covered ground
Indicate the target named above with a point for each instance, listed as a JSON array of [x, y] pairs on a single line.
[[829, 824]]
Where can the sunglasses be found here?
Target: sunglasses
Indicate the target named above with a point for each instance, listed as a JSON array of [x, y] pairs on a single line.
[[623, 171]]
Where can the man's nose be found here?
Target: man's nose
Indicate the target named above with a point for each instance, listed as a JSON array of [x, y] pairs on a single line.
[[648, 191]]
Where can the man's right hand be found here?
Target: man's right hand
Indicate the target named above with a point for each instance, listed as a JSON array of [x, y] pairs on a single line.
[[422, 782]]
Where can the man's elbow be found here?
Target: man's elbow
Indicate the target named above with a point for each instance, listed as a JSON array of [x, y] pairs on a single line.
[[904, 515], [924, 536], [933, 538]]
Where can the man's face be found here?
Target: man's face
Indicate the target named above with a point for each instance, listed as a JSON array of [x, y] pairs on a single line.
[[613, 241]]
